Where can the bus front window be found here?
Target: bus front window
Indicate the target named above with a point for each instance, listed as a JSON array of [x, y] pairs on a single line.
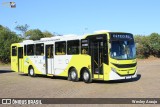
[[123, 50]]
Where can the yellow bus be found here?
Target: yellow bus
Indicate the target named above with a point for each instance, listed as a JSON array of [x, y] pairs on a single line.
[[99, 56]]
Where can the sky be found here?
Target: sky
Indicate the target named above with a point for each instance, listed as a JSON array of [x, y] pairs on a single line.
[[83, 16]]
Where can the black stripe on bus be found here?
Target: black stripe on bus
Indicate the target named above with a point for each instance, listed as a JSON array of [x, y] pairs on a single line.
[[125, 65]]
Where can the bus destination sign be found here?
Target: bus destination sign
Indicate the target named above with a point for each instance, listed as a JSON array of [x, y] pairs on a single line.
[[125, 36]]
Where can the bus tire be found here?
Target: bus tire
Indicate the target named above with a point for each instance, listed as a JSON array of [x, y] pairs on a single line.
[[73, 75], [69, 77], [86, 75], [31, 71]]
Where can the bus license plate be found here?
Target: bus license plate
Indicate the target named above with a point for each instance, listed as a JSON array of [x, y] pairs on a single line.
[[128, 77]]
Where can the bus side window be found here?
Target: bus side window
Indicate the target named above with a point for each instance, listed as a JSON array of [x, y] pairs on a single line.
[[30, 49], [84, 46], [14, 51], [60, 48], [84, 51], [73, 47], [40, 49], [50, 52]]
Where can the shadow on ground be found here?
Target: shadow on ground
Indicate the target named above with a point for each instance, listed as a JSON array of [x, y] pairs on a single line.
[[6, 71], [45, 76], [94, 81], [23, 74]]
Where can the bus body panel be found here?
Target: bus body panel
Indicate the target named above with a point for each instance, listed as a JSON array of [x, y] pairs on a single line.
[[17, 61], [61, 62], [38, 63]]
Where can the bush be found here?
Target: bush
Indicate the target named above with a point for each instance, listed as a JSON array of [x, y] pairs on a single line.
[[154, 43], [148, 45], [6, 39], [142, 48]]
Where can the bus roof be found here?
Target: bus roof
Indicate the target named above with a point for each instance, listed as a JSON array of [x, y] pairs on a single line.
[[55, 38], [66, 37]]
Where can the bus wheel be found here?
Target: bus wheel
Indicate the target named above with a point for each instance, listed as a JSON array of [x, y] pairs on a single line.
[[73, 75], [31, 72], [69, 77], [86, 76]]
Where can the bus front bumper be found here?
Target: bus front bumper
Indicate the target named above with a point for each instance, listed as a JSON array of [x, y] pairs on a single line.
[[114, 76]]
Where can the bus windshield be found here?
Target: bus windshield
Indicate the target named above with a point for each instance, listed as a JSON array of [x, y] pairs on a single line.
[[123, 49]]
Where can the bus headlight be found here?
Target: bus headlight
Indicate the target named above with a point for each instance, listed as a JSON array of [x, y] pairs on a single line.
[[113, 69]]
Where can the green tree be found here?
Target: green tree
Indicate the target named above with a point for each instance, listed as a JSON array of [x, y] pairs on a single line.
[[142, 46], [7, 37], [23, 29], [154, 43], [34, 34], [47, 34]]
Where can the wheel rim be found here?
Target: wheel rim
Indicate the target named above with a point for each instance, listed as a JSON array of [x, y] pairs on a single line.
[[31, 72], [73, 75], [85, 75]]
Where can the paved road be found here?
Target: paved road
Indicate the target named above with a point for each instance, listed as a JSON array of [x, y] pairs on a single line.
[[147, 85]]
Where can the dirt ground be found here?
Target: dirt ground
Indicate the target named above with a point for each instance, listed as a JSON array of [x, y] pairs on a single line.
[[147, 85]]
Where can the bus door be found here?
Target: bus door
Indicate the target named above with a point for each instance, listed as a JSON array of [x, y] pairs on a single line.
[[97, 59], [20, 59], [49, 59], [14, 58]]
